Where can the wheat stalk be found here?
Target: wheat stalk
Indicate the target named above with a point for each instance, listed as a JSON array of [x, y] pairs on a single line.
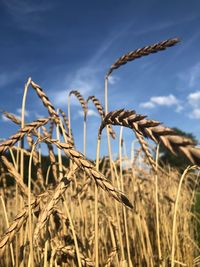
[[36, 161], [66, 121], [51, 154]]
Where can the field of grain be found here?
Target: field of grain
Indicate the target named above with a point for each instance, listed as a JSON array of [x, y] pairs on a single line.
[[106, 212]]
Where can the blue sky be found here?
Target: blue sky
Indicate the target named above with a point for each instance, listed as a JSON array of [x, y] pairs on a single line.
[[67, 45]]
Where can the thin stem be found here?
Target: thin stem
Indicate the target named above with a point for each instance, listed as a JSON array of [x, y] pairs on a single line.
[[122, 188], [157, 207], [96, 208], [175, 212], [84, 134]]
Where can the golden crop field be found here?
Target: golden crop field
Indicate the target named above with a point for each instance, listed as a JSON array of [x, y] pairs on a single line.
[[106, 212]]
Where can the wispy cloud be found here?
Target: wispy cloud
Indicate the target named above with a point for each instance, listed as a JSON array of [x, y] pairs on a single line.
[[84, 80], [24, 7], [21, 10], [194, 99], [8, 77], [4, 118], [91, 113], [195, 113], [113, 79], [167, 101], [26, 113], [191, 77]]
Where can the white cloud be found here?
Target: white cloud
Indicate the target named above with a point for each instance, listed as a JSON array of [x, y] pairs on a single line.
[[148, 104], [26, 113], [195, 114], [113, 79], [84, 80], [168, 101], [164, 100], [194, 99], [4, 118], [90, 113]]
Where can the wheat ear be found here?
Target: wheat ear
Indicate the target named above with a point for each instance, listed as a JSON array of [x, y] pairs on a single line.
[[70, 251], [90, 169], [81, 100], [15, 226], [101, 111], [11, 169], [47, 211], [21, 133], [11, 117], [45, 100], [152, 129], [66, 121], [85, 110], [142, 52]]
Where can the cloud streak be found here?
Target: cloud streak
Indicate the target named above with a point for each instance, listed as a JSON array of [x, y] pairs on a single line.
[[90, 113], [194, 102], [191, 77], [167, 101], [84, 80]]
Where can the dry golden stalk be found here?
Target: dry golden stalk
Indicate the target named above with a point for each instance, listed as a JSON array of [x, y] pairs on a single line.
[[25, 152], [15, 226], [81, 100], [51, 155], [51, 128], [145, 148], [149, 128], [16, 175], [45, 100], [36, 161], [48, 209], [83, 190], [111, 257], [21, 133], [66, 121], [91, 171], [142, 52], [47, 103], [12, 117], [101, 113]]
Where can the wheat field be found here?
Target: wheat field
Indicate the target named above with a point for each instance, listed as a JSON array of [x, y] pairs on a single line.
[[66, 210]]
